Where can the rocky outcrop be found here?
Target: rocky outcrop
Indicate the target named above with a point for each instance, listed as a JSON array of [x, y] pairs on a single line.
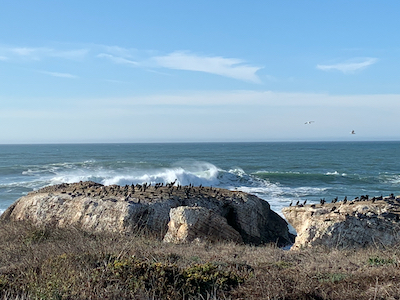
[[95, 207], [188, 224], [348, 224]]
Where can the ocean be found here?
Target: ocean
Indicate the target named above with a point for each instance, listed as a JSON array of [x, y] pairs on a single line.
[[278, 172]]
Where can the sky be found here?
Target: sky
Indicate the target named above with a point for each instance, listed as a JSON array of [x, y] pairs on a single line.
[[199, 71]]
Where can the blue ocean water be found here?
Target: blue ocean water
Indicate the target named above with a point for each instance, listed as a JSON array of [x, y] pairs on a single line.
[[277, 172]]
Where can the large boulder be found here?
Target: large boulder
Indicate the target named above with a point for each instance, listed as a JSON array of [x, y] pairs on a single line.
[[95, 207], [349, 224], [188, 224]]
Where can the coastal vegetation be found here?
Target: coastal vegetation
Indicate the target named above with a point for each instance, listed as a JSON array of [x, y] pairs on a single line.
[[54, 263]]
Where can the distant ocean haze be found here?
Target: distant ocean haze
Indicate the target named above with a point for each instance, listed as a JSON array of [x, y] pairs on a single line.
[[279, 173]]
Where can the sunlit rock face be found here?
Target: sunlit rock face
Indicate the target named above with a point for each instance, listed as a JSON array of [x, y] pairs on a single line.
[[349, 224], [199, 224], [95, 207]]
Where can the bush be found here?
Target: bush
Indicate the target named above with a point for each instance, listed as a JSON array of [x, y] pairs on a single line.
[[378, 261]]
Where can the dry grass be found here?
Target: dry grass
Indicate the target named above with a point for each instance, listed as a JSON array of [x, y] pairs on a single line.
[[72, 264]]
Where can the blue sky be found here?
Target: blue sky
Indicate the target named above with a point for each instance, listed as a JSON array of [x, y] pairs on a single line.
[[196, 71]]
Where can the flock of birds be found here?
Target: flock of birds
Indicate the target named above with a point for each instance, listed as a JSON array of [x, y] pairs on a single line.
[[322, 201], [146, 191]]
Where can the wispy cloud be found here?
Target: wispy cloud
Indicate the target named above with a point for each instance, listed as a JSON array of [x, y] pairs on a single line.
[[182, 60], [24, 51], [120, 51], [148, 60], [57, 74], [40, 53], [118, 59], [76, 54], [349, 66], [228, 67]]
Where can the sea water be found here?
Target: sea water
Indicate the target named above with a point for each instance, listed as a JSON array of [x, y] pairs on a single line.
[[280, 173]]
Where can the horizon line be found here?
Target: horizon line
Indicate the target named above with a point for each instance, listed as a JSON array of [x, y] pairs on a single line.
[[200, 142]]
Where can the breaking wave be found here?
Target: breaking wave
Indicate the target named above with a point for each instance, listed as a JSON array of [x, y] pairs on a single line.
[[278, 188], [390, 178], [184, 172]]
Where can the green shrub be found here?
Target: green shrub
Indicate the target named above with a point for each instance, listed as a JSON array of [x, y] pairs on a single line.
[[168, 279], [378, 261], [203, 278], [331, 277]]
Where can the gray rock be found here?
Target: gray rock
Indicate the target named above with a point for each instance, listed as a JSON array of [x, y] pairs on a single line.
[[354, 224], [95, 208], [188, 224]]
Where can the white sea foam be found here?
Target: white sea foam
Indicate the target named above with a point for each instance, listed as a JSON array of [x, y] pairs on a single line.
[[392, 179], [332, 173], [196, 173], [23, 184], [1, 211], [276, 194], [335, 173], [276, 172], [54, 168]]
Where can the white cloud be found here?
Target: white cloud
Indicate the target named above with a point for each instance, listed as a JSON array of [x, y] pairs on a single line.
[[179, 60], [117, 59], [228, 67], [57, 74], [349, 66], [39, 53], [119, 51], [23, 51], [70, 54]]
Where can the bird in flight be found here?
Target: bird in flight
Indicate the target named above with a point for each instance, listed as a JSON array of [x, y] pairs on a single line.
[[353, 132], [309, 122]]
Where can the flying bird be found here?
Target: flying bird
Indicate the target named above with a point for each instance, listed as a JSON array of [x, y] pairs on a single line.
[[353, 132], [309, 122]]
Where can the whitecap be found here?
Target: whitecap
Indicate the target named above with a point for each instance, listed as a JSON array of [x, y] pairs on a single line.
[[276, 172], [28, 172], [195, 173], [392, 179], [336, 173], [23, 184], [332, 173]]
